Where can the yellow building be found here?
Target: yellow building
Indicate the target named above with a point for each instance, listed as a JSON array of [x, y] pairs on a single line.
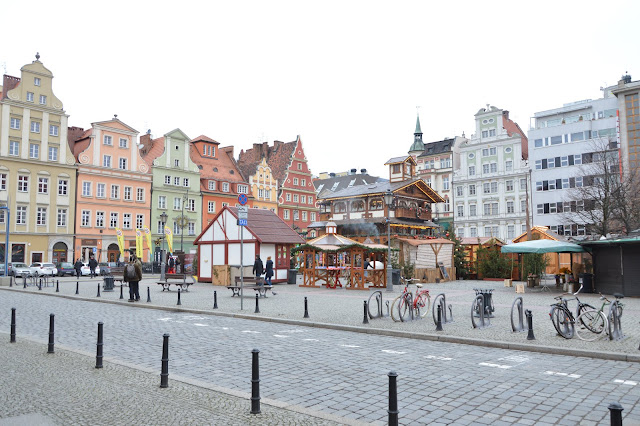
[[37, 169], [264, 187]]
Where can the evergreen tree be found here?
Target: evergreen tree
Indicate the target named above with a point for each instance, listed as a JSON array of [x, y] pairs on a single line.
[[459, 256]]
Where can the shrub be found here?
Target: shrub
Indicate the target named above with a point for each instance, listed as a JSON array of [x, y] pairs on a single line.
[[492, 263]]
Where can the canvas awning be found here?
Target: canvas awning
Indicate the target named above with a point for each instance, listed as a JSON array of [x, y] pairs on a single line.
[[543, 246]]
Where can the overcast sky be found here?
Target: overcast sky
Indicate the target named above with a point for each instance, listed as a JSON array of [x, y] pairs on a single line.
[[344, 75]]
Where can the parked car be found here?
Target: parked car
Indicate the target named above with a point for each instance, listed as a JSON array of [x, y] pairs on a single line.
[[18, 268], [86, 271], [40, 268], [65, 268], [2, 268], [104, 268]]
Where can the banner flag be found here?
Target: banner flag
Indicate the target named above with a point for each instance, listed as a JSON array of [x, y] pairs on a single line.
[[139, 243], [120, 238], [147, 234], [169, 235]]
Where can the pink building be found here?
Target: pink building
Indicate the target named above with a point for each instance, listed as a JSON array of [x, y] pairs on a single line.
[[113, 190]]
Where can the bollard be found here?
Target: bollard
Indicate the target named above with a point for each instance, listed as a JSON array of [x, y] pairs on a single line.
[[366, 316], [439, 323], [13, 326], [529, 316], [615, 411], [99, 346], [51, 321], [164, 373], [179, 303], [306, 310], [77, 287], [393, 399], [57, 286], [148, 295], [40, 284], [10, 281], [215, 300], [98, 291], [255, 382], [121, 295], [517, 303], [24, 280], [257, 311]]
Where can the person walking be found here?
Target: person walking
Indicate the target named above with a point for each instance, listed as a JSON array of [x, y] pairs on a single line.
[[172, 265], [268, 271], [92, 266], [78, 267], [133, 276], [258, 267]]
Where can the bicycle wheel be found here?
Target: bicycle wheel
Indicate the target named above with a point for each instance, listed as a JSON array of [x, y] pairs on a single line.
[[582, 307], [562, 321], [422, 303], [394, 311], [404, 306], [591, 325]]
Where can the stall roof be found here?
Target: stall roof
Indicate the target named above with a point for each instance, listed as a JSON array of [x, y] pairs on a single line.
[[623, 240], [417, 242], [480, 240]]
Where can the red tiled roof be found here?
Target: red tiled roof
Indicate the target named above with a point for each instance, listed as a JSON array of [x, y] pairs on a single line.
[[278, 158], [227, 169], [8, 83], [204, 138], [512, 127], [269, 228], [151, 148]]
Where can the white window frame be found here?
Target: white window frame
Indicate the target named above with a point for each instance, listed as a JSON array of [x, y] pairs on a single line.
[[23, 183], [126, 220], [140, 195], [85, 218], [127, 193], [43, 99], [107, 140], [43, 185], [123, 143], [225, 187], [114, 192], [242, 189], [106, 161], [167, 179], [61, 217], [162, 202], [122, 163], [53, 153], [185, 182], [101, 190], [211, 207], [34, 150], [15, 123], [113, 217], [139, 221], [29, 96], [100, 219], [41, 216], [3, 182], [63, 187], [285, 214], [212, 185], [176, 181]]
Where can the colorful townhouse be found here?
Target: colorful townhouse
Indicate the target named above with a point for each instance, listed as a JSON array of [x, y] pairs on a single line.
[[176, 190], [262, 183], [113, 191], [289, 166], [221, 181], [37, 169]]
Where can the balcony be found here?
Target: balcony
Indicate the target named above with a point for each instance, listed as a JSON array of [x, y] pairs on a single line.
[[422, 214]]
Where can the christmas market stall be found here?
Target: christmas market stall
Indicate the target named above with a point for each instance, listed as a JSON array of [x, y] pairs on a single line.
[[432, 258]]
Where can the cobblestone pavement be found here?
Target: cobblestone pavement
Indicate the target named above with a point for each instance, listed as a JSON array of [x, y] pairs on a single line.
[[336, 372]]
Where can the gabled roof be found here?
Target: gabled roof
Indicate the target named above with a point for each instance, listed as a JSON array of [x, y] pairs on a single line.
[[338, 183], [278, 158], [268, 227], [417, 242], [542, 230], [437, 147], [380, 188], [222, 167], [469, 241], [204, 139], [396, 160], [118, 122]]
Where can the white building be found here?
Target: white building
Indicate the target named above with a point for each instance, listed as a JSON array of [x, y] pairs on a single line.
[[562, 146], [490, 184]]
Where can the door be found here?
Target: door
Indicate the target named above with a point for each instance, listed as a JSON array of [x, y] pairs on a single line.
[[59, 253], [282, 256]]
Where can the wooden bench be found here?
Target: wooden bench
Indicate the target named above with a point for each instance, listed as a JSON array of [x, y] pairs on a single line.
[[117, 272], [250, 283], [179, 280]]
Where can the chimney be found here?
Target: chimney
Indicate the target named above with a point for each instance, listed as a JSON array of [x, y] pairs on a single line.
[[363, 171], [332, 175], [145, 140], [353, 171], [257, 152]]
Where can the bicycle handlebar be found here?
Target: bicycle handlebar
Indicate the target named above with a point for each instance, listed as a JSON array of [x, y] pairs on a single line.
[[576, 293]]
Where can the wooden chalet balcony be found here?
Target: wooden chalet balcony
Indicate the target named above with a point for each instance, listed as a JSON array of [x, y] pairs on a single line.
[[406, 213]]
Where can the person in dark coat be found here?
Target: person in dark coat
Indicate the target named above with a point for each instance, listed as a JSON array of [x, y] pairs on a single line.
[[134, 285], [268, 272], [92, 266], [78, 267], [258, 267]]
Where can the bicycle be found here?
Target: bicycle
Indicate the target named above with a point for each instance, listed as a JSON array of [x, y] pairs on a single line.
[[595, 322], [408, 306], [563, 319]]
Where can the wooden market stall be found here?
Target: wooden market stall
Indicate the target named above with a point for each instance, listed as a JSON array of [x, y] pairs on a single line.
[[471, 246], [337, 261], [431, 258]]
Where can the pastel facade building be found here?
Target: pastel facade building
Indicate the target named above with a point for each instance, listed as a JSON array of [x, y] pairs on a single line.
[[37, 169], [628, 94], [113, 191], [264, 187]]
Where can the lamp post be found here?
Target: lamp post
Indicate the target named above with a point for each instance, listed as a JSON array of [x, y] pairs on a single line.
[[7, 221], [185, 198], [163, 219], [388, 200]]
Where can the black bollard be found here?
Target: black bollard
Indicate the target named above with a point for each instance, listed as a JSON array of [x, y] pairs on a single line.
[[99, 346], [365, 320], [13, 326], [439, 323], [257, 311], [164, 374], [77, 287], [393, 399], [255, 382], [215, 300], [10, 281], [98, 291], [24, 281], [51, 321], [179, 303], [529, 316], [121, 295], [306, 309], [615, 411], [57, 286], [40, 284], [148, 295]]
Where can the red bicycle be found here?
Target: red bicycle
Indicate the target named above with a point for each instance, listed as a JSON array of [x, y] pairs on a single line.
[[409, 307]]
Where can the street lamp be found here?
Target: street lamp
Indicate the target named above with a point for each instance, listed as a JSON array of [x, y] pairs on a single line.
[[185, 198], [163, 220], [388, 200], [7, 221]]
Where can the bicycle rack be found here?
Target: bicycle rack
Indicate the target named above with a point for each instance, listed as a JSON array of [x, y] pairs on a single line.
[[441, 300], [488, 301], [411, 316], [615, 323], [377, 295], [478, 305], [517, 303]]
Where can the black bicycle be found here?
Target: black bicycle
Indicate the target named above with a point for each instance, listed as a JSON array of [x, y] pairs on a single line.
[[563, 319]]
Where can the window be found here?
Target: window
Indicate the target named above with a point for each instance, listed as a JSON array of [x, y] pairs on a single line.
[[106, 161], [472, 170], [43, 185], [490, 209], [176, 229], [489, 151], [485, 133], [303, 199], [126, 220], [459, 191], [85, 218], [140, 195], [523, 206], [491, 231], [15, 123], [115, 192], [123, 143], [162, 202], [34, 150], [176, 181], [473, 210], [313, 217], [113, 221], [225, 187], [485, 168], [43, 100], [29, 97], [23, 183], [185, 182], [122, 164], [99, 219], [296, 215], [3, 182], [167, 180], [212, 185], [490, 188], [63, 186], [304, 216], [14, 148], [460, 210], [243, 189], [445, 183], [288, 197], [511, 232], [295, 181], [62, 217], [36, 81], [303, 182], [127, 193], [509, 185], [447, 205], [445, 163], [299, 166], [494, 167], [285, 214], [160, 227], [510, 207], [191, 226], [295, 198], [508, 166], [41, 216], [101, 189], [107, 140], [472, 190], [176, 163], [473, 232], [523, 184], [139, 221], [53, 153], [21, 215], [211, 207], [191, 205], [177, 203]]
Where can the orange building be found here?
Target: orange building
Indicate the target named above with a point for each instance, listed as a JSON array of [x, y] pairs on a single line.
[[221, 181], [113, 190]]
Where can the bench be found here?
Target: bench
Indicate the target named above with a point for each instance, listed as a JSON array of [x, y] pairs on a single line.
[[250, 283], [179, 280], [117, 272]]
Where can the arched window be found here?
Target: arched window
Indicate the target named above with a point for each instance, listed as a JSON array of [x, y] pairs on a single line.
[[402, 204], [340, 207], [357, 206], [376, 204]]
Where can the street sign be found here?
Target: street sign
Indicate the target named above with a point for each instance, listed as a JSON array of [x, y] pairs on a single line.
[[243, 212], [242, 199], [242, 222], [95, 250]]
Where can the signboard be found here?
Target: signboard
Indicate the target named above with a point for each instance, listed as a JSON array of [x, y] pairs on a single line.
[[95, 250], [242, 199], [443, 271], [242, 222], [243, 212]]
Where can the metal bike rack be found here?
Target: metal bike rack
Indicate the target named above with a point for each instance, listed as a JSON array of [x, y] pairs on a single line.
[[478, 305], [409, 296], [517, 303], [377, 296], [441, 300], [488, 301], [615, 323]]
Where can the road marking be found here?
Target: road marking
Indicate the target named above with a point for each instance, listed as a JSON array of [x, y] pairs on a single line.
[[311, 340], [250, 331], [292, 331], [201, 325], [350, 346], [556, 373], [164, 319], [225, 328], [193, 317], [489, 364], [440, 358], [515, 358], [179, 322], [389, 351], [626, 382], [281, 336]]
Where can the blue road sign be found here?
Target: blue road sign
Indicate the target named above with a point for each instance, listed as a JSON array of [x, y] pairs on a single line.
[[242, 199], [242, 222]]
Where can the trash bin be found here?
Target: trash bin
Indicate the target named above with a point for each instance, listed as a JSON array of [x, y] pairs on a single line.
[[395, 276], [292, 276], [108, 283], [587, 282], [531, 282]]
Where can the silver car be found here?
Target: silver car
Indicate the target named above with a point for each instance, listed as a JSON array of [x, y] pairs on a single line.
[[17, 269]]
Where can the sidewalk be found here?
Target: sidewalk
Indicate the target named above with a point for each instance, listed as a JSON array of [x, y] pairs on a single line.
[[343, 309]]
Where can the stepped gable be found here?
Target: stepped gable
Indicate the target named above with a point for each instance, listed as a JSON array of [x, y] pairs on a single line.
[[248, 160], [279, 158]]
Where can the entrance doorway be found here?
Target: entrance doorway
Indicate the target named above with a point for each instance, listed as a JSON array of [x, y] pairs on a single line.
[[59, 253], [36, 257], [113, 253]]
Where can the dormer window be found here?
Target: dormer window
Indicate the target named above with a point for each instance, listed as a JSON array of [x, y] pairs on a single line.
[[36, 81], [396, 168]]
